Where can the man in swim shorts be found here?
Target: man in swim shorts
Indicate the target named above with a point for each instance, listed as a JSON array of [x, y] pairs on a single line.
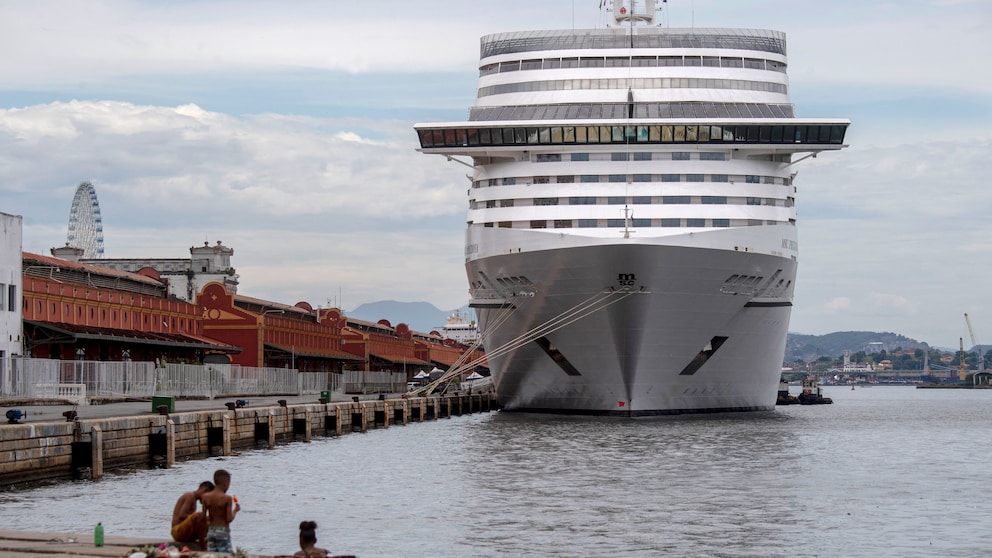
[[187, 523], [221, 510]]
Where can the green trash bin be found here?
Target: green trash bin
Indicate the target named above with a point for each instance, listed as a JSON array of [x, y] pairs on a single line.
[[169, 402], [326, 395]]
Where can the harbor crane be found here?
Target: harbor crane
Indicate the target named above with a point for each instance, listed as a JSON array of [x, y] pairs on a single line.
[[971, 332]]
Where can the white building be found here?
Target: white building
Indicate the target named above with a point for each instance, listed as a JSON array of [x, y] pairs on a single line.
[[185, 276], [10, 295]]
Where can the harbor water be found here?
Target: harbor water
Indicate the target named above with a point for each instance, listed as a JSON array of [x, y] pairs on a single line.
[[884, 471]]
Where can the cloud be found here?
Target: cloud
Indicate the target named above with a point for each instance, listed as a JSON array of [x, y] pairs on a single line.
[[298, 197], [838, 304]]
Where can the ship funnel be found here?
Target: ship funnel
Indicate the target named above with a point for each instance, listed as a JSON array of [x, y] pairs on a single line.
[[634, 12]]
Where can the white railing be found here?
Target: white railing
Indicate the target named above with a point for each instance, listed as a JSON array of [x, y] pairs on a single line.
[[75, 393], [33, 378]]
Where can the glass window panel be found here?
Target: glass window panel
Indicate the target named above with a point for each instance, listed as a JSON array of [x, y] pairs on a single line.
[[589, 178], [680, 133], [837, 134], [615, 223], [640, 222], [690, 133], [520, 135], [776, 134], [654, 133], [580, 156], [671, 222], [721, 222], [618, 178], [552, 63], [666, 134], [616, 200], [568, 134], [587, 223], [544, 136], [580, 135], [641, 200], [675, 200], [642, 133], [485, 136], [670, 178], [695, 222], [617, 135], [619, 156], [642, 156], [604, 134], [449, 138], [461, 137], [426, 138], [693, 178], [533, 135], [642, 178]]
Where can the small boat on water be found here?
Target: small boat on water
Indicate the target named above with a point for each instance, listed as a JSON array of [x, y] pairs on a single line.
[[812, 393]]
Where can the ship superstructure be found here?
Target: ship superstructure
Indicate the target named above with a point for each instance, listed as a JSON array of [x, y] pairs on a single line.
[[631, 244]]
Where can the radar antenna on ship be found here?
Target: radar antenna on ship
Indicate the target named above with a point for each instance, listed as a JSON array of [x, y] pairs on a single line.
[[631, 12]]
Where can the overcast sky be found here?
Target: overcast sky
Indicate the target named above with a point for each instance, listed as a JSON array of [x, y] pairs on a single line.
[[284, 129]]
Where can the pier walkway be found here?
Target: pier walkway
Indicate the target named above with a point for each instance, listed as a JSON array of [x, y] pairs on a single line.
[[30, 544]]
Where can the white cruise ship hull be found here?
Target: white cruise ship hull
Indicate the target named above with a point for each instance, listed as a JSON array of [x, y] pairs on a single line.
[[642, 351]]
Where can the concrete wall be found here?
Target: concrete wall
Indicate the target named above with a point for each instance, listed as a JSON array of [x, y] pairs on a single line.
[[87, 448]]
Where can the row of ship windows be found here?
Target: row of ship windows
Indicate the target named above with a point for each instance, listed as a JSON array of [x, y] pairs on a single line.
[[633, 222], [632, 61], [557, 135], [632, 83], [635, 200], [640, 178]]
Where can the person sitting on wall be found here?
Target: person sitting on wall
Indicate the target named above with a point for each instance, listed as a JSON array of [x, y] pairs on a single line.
[[308, 541], [187, 523]]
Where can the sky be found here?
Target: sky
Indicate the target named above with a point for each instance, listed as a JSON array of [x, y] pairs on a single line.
[[285, 130]]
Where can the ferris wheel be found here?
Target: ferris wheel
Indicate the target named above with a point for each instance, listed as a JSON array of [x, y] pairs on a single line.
[[85, 222]]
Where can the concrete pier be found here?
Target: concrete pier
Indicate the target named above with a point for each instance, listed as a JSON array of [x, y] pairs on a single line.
[[89, 445], [31, 544]]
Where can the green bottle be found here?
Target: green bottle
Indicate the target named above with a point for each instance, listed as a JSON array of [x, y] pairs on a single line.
[[98, 535]]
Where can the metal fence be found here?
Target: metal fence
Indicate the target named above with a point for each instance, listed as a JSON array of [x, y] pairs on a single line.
[[363, 381], [41, 378]]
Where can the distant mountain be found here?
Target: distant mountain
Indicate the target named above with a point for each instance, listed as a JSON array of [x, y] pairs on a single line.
[[420, 316], [810, 347]]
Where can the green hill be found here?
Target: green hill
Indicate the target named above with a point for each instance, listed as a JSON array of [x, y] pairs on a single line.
[[810, 347]]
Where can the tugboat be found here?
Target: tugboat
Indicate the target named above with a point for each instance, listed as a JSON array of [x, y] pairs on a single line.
[[813, 393], [784, 397]]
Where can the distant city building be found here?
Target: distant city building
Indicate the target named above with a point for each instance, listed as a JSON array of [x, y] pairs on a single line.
[[10, 295], [873, 347], [185, 276]]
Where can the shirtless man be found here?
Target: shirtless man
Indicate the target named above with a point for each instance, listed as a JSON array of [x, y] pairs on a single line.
[[187, 523], [221, 510]]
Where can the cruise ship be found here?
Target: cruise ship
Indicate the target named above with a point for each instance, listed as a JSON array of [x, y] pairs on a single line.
[[631, 246]]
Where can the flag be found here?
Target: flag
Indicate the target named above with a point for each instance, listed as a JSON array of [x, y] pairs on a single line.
[[620, 403]]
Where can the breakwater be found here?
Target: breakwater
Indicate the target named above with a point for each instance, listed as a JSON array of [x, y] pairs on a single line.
[[87, 448]]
